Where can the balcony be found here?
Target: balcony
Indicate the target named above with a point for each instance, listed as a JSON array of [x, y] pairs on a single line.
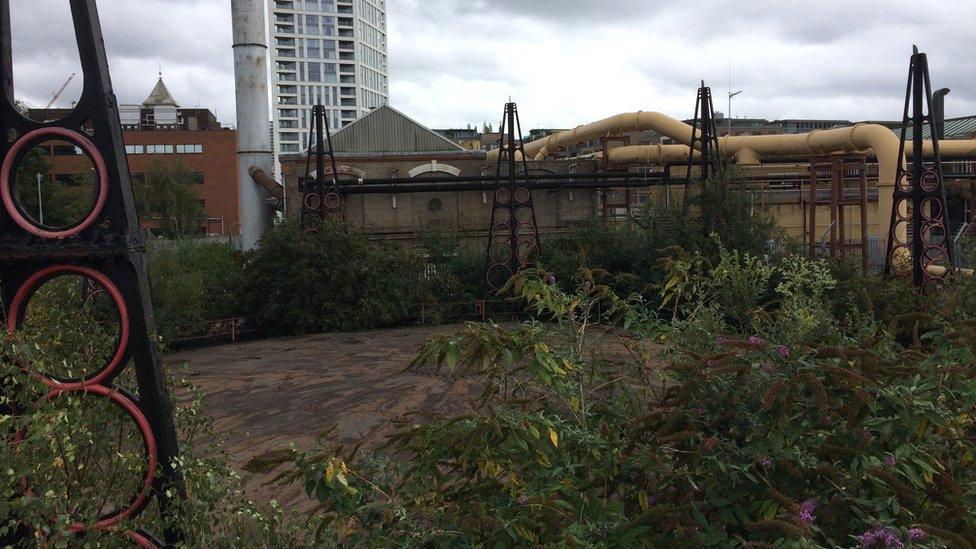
[[284, 18], [347, 69], [347, 79], [287, 77], [284, 5], [345, 22], [348, 102], [347, 56], [346, 45]]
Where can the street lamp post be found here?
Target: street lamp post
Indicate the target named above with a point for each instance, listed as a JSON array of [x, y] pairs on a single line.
[[40, 204], [731, 95]]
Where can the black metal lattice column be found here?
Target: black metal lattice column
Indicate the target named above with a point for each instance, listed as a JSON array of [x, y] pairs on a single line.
[[105, 248], [919, 243], [704, 137], [513, 237], [319, 200]]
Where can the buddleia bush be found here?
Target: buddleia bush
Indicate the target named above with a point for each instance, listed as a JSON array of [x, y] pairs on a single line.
[[589, 433]]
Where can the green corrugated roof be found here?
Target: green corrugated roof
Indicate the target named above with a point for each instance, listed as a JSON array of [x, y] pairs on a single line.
[[955, 128]]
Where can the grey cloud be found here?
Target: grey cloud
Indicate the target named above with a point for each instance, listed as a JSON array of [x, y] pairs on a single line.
[[454, 62]]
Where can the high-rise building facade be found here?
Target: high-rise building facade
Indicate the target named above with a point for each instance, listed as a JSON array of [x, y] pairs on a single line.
[[329, 52]]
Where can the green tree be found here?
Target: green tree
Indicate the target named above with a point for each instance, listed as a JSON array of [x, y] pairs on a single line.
[[167, 196]]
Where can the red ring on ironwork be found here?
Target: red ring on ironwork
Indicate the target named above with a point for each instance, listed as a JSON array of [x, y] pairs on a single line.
[[313, 201], [142, 496], [522, 195], [905, 182], [5, 182], [332, 201], [502, 215], [501, 232], [22, 297], [523, 214], [503, 196], [142, 540], [500, 253], [527, 252], [930, 181], [934, 211], [495, 269], [900, 224], [526, 232]]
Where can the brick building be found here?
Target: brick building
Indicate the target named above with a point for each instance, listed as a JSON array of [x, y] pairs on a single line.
[[387, 144], [159, 133]]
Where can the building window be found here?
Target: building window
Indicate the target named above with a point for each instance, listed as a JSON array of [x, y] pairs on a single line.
[[135, 149], [189, 149], [66, 150]]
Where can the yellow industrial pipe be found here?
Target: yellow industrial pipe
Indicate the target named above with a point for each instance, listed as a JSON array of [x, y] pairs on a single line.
[[649, 154], [615, 125], [955, 148]]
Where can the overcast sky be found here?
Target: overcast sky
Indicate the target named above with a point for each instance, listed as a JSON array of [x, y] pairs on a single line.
[[566, 62]]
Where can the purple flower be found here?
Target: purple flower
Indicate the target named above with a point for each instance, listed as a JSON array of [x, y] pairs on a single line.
[[765, 462], [806, 511], [866, 435], [721, 340], [890, 460], [783, 351], [652, 500], [917, 534], [550, 279], [884, 536], [768, 368], [522, 499], [805, 516], [710, 363], [756, 341]]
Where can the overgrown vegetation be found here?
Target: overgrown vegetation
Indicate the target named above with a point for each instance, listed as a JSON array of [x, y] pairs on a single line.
[[803, 429], [193, 282], [708, 394], [167, 197], [636, 248]]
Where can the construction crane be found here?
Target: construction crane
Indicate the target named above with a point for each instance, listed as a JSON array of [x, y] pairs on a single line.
[[58, 93]]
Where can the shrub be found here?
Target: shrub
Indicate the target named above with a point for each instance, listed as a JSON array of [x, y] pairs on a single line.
[[193, 281], [75, 457], [730, 440], [637, 248], [299, 282]]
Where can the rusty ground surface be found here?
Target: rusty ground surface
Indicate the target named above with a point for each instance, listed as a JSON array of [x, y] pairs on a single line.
[[264, 395], [267, 394]]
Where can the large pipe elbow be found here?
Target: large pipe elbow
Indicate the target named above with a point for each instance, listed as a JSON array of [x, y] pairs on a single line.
[[261, 178]]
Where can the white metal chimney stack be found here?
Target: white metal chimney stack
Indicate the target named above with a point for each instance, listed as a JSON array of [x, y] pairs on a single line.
[[253, 137]]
